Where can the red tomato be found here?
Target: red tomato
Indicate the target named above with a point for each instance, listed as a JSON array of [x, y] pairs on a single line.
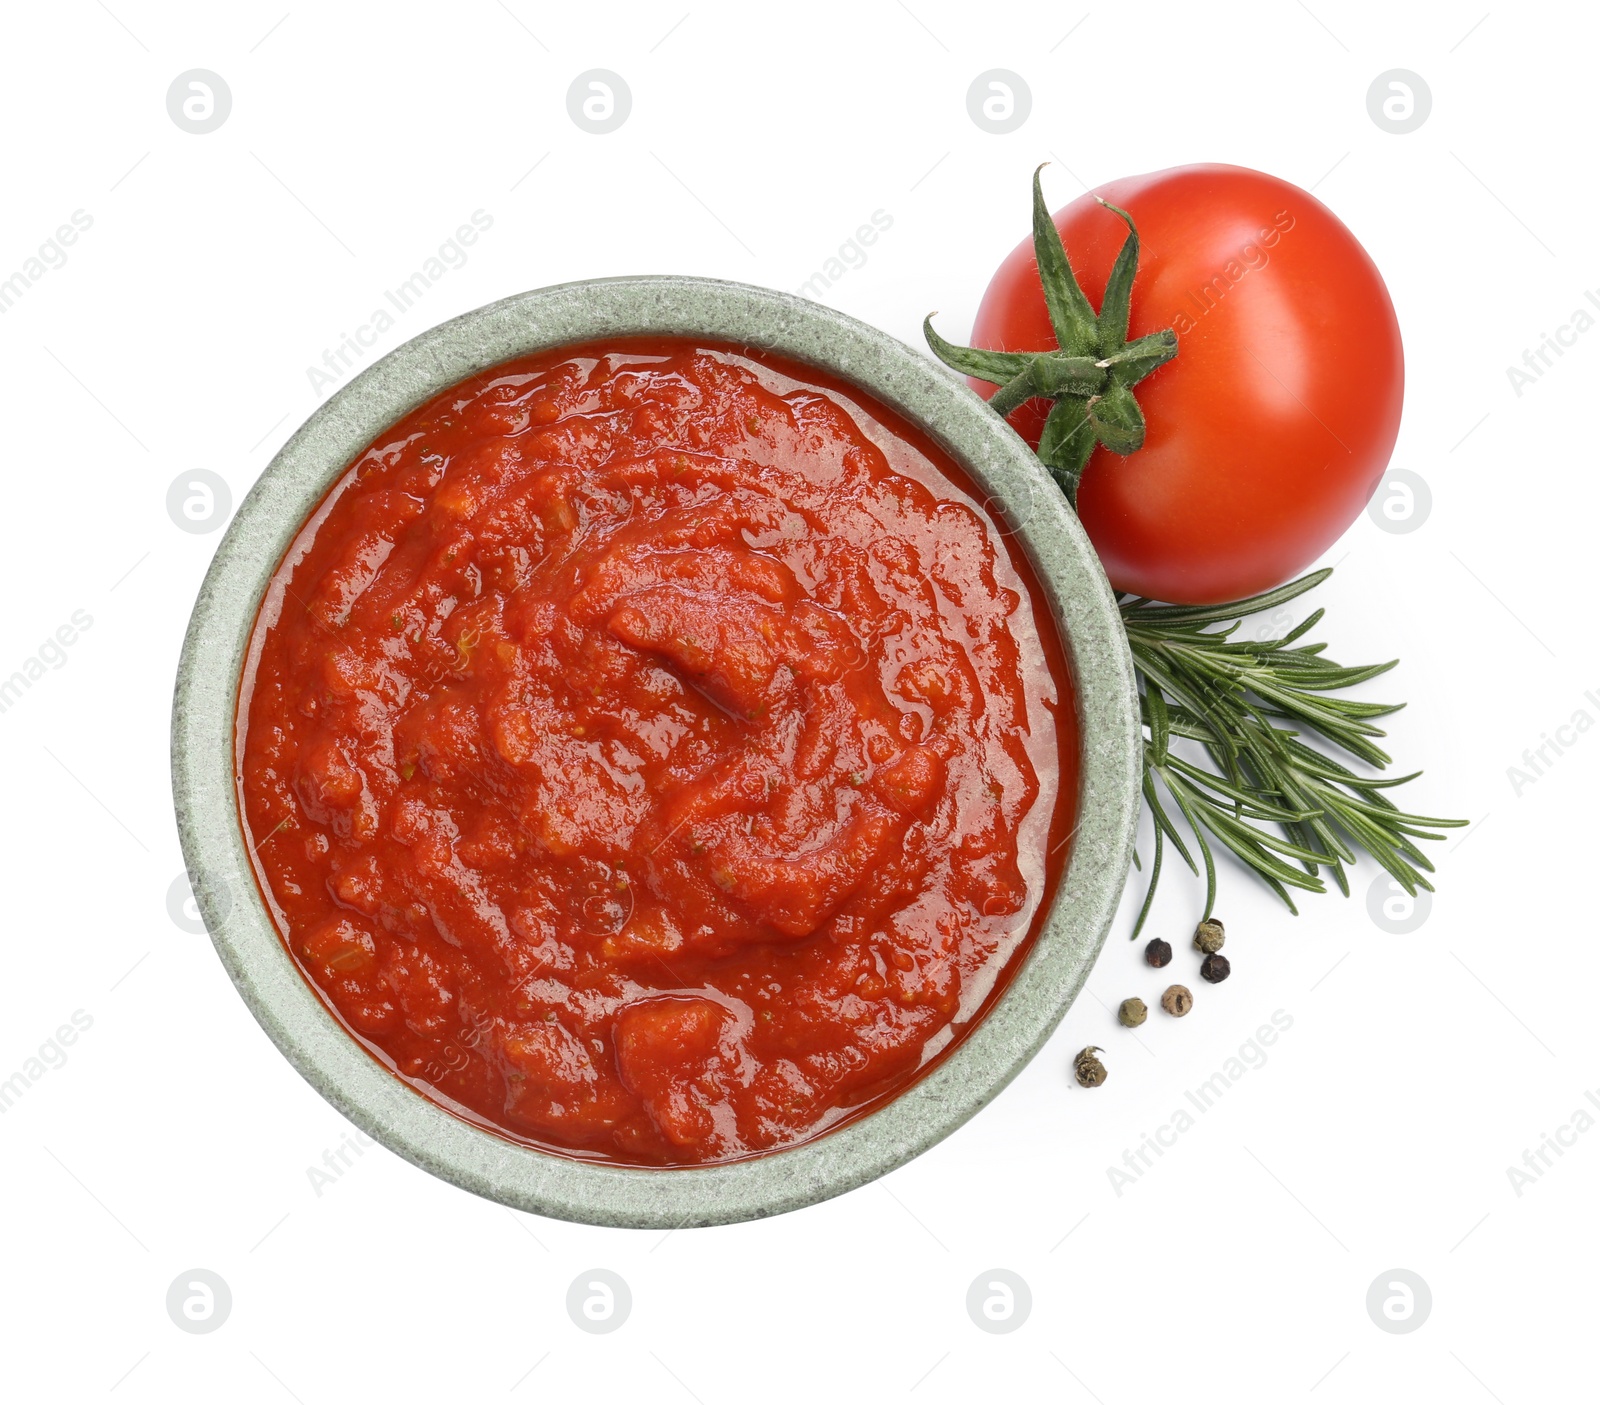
[[1270, 430]]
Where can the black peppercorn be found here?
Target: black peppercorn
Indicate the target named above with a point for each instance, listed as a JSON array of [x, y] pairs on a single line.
[[1215, 968], [1088, 1069], [1208, 936], [1158, 952]]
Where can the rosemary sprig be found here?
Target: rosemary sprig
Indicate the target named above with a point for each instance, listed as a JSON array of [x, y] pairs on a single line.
[[1285, 809]]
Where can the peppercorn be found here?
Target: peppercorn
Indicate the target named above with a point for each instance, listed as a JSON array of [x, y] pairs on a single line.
[[1208, 936], [1176, 1000], [1158, 952], [1215, 968], [1131, 1013], [1088, 1069]]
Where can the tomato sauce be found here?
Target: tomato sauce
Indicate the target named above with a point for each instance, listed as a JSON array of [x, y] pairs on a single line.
[[653, 753]]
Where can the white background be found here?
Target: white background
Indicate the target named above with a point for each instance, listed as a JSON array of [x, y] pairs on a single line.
[[1418, 1068]]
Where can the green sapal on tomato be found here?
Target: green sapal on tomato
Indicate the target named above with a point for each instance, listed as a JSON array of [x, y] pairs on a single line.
[[1264, 430]]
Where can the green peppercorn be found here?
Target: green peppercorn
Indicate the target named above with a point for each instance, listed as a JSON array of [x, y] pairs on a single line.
[[1088, 1069], [1131, 1013], [1158, 952], [1208, 936], [1215, 968], [1176, 1000]]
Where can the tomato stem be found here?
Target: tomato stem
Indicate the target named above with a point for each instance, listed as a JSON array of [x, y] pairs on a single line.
[[1091, 374]]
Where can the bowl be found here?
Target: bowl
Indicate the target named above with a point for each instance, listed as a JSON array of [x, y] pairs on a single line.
[[1042, 987]]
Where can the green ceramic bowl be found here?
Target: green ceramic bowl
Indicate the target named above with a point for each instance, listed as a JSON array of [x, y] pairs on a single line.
[[926, 395]]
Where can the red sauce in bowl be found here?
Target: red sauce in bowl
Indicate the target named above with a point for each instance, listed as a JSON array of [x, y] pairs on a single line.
[[653, 753]]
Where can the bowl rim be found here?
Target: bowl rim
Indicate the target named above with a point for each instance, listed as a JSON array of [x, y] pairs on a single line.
[[423, 1131]]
